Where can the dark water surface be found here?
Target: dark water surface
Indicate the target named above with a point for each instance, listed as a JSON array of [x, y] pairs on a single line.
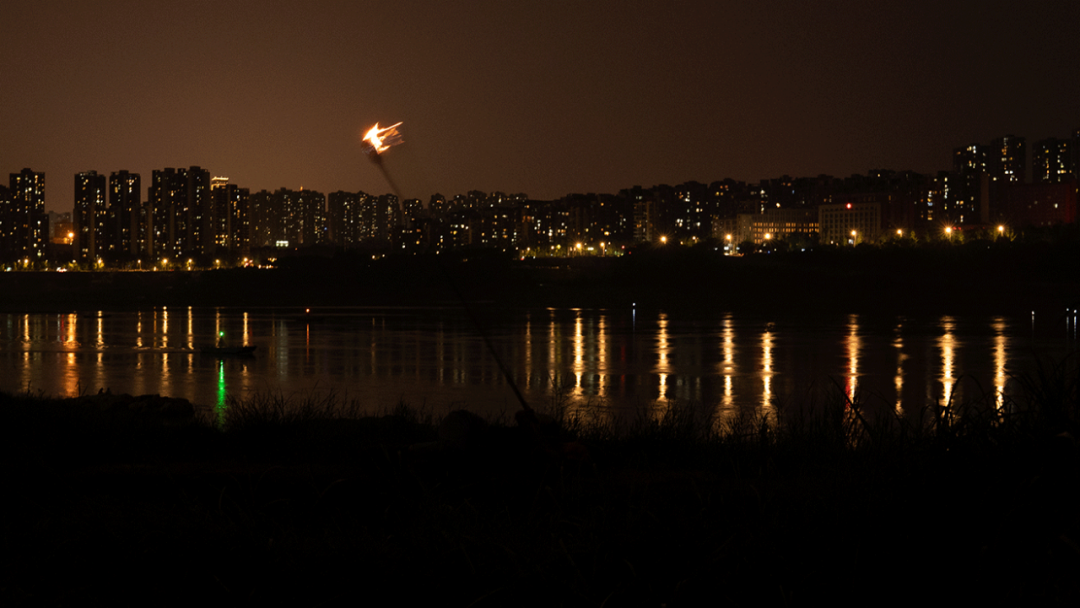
[[596, 361]]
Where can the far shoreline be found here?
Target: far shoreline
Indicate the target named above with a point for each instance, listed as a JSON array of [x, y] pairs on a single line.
[[908, 282]]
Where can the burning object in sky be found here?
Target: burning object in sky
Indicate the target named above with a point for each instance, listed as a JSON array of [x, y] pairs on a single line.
[[378, 141]]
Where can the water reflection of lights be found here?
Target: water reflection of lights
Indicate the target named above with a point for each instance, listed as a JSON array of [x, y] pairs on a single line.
[[553, 345], [726, 411], [528, 351], [1001, 346], [220, 406], [766, 371], [164, 327], [663, 351], [898, 381], [579, 355], [947, 345], [71, 375], [166, 374], [71, 339], [734, 366], [854, 346], [601, 356]]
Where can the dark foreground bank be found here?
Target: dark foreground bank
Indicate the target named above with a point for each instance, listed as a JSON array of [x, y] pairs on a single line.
[[139, 500], [976, 278]]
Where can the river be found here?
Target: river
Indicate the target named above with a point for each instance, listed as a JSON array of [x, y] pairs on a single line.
[[599, 362]]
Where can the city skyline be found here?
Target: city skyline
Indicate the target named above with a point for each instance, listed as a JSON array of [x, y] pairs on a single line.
[[542, 99]]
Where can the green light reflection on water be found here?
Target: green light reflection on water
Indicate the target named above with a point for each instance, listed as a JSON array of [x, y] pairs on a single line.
[[219, 409]]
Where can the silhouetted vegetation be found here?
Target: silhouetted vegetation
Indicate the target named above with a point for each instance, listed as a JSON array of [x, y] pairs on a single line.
[[300, 502]]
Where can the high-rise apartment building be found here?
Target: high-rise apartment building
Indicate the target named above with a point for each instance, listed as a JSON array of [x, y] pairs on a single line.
[[1006, 160], [343, 217], [24, 225], [218, 217], [90, 217], [967, 194], [126, 232], [230, 216], [1051, 161], [179, 211]]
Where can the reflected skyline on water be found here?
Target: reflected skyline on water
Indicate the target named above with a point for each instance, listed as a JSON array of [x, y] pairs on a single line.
[[587, 360]]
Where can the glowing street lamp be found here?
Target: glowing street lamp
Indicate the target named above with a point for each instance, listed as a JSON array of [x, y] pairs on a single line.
[[663, 240]]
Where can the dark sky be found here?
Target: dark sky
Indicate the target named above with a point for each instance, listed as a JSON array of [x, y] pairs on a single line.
[[545, 98]]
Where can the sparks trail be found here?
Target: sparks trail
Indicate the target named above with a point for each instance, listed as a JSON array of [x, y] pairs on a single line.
[[378, 141]]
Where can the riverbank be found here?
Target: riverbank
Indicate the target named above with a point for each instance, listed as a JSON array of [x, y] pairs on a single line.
[[126, 498], [979, 279]]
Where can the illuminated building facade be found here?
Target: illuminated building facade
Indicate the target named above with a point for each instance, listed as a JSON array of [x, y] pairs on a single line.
[[125, 231], [379, 218], [229, 218], [1051, 161], [1006, 159], [850, 223], [775, 224], [343, 217], [968, 194], [218, 219], [179, 212], [24, 225], [90, 215]]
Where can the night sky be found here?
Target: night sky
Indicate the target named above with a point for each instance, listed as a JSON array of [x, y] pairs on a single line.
[[545, 98]]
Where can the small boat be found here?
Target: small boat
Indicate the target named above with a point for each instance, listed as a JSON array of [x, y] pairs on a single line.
[[228, 351]]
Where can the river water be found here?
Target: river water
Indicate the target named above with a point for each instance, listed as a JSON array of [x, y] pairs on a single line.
[[595, 361]]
